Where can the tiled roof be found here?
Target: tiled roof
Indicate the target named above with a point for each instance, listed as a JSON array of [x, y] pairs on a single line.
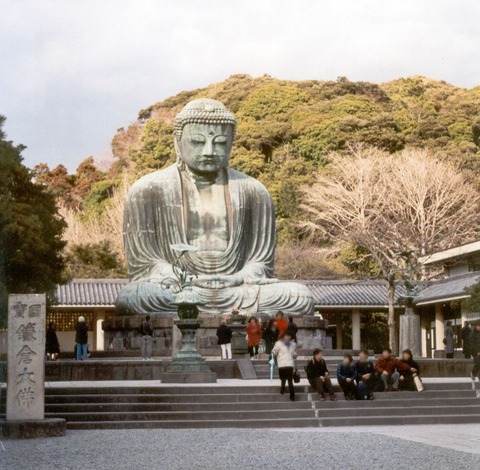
[[352, 293], [447, 289], [89, 292], [103, 292]]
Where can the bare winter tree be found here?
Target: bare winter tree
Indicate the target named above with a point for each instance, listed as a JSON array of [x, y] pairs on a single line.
[[411, 202]]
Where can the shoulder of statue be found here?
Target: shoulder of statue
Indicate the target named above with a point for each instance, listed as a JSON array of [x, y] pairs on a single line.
[[156, 179]]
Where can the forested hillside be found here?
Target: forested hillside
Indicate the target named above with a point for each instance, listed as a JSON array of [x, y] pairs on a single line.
[[286, 131]]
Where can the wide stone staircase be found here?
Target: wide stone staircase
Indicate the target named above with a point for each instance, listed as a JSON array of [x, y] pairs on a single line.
[[254, 406]]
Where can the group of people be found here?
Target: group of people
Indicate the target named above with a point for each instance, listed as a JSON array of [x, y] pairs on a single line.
[[275, 330], [52, 345], [360, 379]]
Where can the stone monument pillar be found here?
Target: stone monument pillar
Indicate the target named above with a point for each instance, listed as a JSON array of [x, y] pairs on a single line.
[[26, 370], [410, 332]]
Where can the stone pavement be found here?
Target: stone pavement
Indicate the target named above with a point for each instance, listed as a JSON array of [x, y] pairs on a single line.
[[410, 448]]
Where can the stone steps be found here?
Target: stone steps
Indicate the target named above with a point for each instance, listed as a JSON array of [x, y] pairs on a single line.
[[255, 406]]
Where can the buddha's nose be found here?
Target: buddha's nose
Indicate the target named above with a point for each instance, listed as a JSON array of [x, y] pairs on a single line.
[[208, 148]]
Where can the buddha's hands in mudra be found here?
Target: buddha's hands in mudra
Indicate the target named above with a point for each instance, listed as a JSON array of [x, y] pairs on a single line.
[[214, 281], [225, 281]]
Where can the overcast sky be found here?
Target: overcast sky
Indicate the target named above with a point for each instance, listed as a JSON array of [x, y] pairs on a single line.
[[72, 72]]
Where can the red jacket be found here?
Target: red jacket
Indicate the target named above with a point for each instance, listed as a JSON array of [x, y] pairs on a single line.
[[282, 327], [390, 365], [254, 333]]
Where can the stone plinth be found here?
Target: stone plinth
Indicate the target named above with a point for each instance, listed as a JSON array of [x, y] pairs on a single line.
[[410, 333], [31, 428], [26, 357]]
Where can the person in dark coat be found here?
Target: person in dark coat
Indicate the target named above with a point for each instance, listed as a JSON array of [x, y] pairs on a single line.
[[366, 376], [52, 346], [292, 328], [449, 340], [475, 351], [81, 338], [270, 336], [318, 376], [465, 335], [407, 382], [346, 376], [224, 335]]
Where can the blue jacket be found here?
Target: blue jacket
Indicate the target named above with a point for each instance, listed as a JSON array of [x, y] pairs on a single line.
[[346, 372]]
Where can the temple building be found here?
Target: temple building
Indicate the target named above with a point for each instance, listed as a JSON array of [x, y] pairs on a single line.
[[345, 304]]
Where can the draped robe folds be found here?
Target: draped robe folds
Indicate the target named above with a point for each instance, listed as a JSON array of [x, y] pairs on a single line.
[[154, 220]]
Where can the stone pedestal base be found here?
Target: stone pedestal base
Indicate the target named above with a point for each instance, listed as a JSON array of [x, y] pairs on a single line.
[[31, 428], [189, 377], [410, 334], [188, 365]]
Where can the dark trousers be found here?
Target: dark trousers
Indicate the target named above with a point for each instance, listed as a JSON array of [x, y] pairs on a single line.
[[366, 387], [322, 385], [449, 355], [253, 350], [349, 388], [286, 374], [476, 366]]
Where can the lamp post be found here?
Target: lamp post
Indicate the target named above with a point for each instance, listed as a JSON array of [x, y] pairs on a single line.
[[188, 365]]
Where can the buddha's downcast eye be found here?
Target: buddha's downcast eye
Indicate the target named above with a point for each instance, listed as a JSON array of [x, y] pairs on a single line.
[[221, 139], [197, 139]]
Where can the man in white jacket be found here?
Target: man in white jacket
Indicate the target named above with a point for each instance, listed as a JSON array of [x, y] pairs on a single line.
[[285, 352]]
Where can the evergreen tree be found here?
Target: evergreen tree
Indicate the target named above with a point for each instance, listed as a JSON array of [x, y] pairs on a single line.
[[30, 230]]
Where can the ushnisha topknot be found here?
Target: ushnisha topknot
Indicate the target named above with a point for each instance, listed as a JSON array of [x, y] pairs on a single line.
[[203, 111]]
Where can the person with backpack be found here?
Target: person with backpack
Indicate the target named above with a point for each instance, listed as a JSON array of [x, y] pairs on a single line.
[[224, 335], [147, 339], [81, 338], [318, 376]]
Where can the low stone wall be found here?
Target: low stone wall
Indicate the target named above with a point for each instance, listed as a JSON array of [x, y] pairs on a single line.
[[152, 370], [123, 334]]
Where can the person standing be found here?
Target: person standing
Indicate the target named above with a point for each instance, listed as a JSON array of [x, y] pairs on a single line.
[[407, 378], [389, 369], [465, 335], [281, 324], [254, 332], [318, 376], [147, 339], [81, 338], [475, 351], [270, 336], [346, 376], [285, 352], [52, 346], [449, 340], [292, 328], [366, 376], [224, 335]]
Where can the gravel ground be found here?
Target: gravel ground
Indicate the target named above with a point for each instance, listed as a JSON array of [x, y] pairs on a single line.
[[228, 449]]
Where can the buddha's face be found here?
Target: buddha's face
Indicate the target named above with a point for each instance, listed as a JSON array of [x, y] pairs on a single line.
[[205, 148]]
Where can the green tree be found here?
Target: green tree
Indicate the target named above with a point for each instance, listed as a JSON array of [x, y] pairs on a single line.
[[30, 229], [96, 260]]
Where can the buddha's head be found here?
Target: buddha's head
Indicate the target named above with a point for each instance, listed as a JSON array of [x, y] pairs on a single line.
[[204, 130]]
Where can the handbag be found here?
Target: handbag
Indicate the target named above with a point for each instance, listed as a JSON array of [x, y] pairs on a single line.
[[296, 376], [418, 383]]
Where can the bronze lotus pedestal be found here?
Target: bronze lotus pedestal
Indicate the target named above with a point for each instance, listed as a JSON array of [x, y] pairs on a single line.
[[188, 366]]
